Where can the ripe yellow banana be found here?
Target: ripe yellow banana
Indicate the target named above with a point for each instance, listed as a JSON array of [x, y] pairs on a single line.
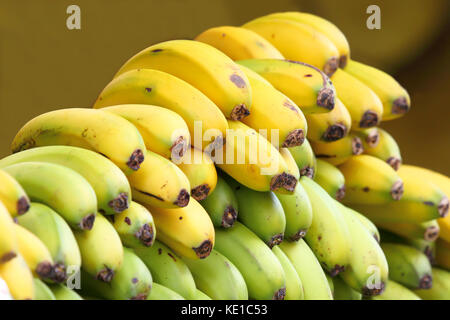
[[304, 158], [163, 130], [395, 98], [297, 41], [106, 133], [304, 84], [18, 278], [370, 137], [364, 106], [369, 180], [330, 179], [339, 151], [160, 182], [323, 26], [188, 231], [330, 126], [440, 289], [108, 181], [253, 161], [204, 67], [443, 254], [239, 43], [367, 223], [292, 167], [12, 195], [385, 148], [272, 110], [428, 230], [200, 171], [8, 241], [158, 88]]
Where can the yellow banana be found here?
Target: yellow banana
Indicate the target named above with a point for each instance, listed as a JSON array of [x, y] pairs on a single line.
[[370, 137], [304, 158], [367, 223], [385, 148], [204, 67], [253, 161], [106, 133], [18, 278], [158, 88], [292, 167], [443, 254], [304, 84], [330, 179], [323, 26], [239, 43], [330, 126], [339, 151], [12, 195], [160, 182], [428, 230], [395, 98], [297, 41], [364, 106], [8, 241], [200, 171], [188, 231], [163, 130]]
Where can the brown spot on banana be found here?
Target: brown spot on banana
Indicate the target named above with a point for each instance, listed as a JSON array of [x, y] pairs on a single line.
[[105, 275], [239, 112], [203, 250], [334, 132], [397, 190], [369, 119], [22, 205], [146, 235], [87, 222], [394, 162], [357, 146], [200, 192], [400, 106], [279, 294], [182, 199], [119, 203], [135, 160], [294, 138], [229, 217]]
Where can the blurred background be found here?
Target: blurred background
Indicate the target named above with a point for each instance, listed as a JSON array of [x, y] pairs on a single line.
[[44, 66]]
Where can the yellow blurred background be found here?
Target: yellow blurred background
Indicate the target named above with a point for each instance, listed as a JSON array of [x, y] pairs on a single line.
[[44, 66]]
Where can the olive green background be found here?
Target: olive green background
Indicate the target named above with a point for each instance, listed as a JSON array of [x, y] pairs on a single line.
[[44, 66]]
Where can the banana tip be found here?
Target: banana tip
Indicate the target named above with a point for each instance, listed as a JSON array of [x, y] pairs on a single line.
[[88, 222], [294, 138], [275, 240], [394, 162], [135, 160], [331, 66], [182, 199], [203, 250], [23, 204], [45, 270], [369, 119], [343, 59], [279, 294], [307, 171], [340, 193], [426, 282], [105, 275], [283, 180], [229, 217], [400, 106], [300, 234], [119, 203], [397, 190], [373, 290], [146, 235], [335, 132], [178, 148], [200, 192], [326, 98], [443, 207], [239, 112], [336, 270], [357, 146]]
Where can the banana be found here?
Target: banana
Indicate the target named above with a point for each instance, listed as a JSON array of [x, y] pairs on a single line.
[[370, 137], [132, 281], [188, 231], [135, 226], [294, 287], [103, 132], [330, 179], [200, 296], [408, 266], [428, 230], [395, 98], [159, 292], [62, 292], [253, 161], [101, 250], [61, 188], [330, 283], [369, 180], [42, 291], [308, 87], [239, 43], [18, 278], [328, 234], [323, 26], [364, 106], [202, 66], [8, 241], [263, 274], [424, 246], [342, 291], [56, 235], [200, 171], [218, 277], [272, 110], [395, 291], [368, 269], [297, 41], [305, 159], [314, 281], [443, 254], [221, 205], [12, 195], [440, 289], [108, 181], [163, 130], [330, 126], [367, 223], [160, 182], [167, 269], [386, 149], [298, 212], [337, 152], [292, 167]]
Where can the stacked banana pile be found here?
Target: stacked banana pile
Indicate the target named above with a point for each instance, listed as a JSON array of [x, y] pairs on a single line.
[[244, 164]]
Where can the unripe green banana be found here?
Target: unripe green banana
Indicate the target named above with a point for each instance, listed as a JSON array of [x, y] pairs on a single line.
[[200, 296], [294, 287], [135, 226], [167, 269], [408, 266], [428, 230], [440, 289], [61, 188], [298, 212], [367, 223], [132, 281], [314, 281], [442, 253], [12, 195], [160, 292], [343, 291], [330, 179], [305, 159], [217, 277], [330, 282], [108, 181], [385, 148], [337, 152], [101, 250], [395, 291], [328, 235], [221, 205], [62, 292], [260, 268], [42, 291]]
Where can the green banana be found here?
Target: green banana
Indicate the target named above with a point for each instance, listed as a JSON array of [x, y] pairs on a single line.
[[343, 291], [428, 230], [330, 283], [330, 179], [160, 292], [260, 268], [42, 291], [201, 296], [217, 277], [395, 291], [167, 269], [62, 292], [440, 289], [294, 287], [305, 159], [367, 223]]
